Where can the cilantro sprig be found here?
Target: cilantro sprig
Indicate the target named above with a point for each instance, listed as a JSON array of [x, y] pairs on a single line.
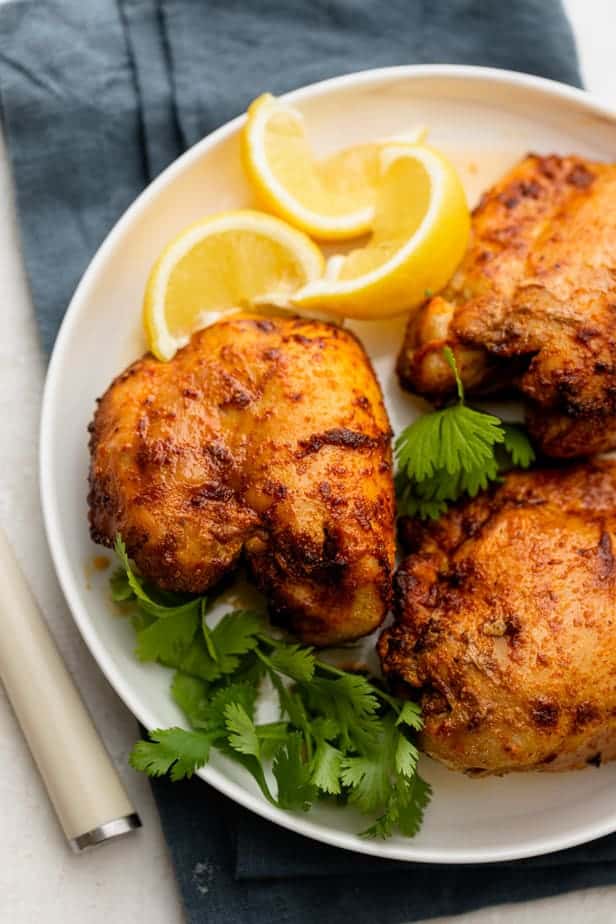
[[452, 452], [338, 736]]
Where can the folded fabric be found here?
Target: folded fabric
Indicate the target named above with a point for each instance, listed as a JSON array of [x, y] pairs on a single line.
[[234, 867], [97, 98]]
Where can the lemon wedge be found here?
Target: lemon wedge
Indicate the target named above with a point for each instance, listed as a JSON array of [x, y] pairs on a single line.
[[331, 199], [419, 234], [233, 260]]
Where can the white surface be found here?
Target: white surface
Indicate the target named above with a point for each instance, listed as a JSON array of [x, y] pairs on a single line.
[[38, 877], [487, 118]]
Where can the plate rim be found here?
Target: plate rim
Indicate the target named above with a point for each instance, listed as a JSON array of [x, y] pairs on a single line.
[[52, 518]]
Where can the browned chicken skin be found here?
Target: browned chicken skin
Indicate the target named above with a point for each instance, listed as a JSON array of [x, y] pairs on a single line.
[[506, 621], [262, 437], [533, 305]]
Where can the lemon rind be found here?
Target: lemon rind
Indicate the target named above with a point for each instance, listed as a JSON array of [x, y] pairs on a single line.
[[161, 340]]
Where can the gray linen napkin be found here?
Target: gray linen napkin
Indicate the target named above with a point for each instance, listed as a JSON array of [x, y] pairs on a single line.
[[98, 97]]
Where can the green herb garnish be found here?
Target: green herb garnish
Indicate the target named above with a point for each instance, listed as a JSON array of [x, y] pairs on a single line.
[[452, 452], [338, 736]]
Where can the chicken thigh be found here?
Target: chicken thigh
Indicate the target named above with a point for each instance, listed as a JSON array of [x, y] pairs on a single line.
[[533, 306], [506, 624], [264, 438]]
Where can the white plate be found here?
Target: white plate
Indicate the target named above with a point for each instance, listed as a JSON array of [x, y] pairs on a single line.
[[485, 119]]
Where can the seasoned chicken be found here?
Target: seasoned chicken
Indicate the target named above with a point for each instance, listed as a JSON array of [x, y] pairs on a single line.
[[533, 305], [506, 624], [266, 438]]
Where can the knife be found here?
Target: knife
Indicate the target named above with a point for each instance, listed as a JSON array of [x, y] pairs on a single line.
[[84, 787]]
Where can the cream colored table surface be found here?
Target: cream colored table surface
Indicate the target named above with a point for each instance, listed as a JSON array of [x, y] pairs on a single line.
[[40, 880]]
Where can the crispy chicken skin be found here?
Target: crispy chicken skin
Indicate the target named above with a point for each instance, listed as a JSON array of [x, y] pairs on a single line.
[[266, 438], [533, 306], [505, 624]]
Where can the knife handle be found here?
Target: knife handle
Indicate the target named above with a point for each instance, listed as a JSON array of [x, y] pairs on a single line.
[[83, 785]]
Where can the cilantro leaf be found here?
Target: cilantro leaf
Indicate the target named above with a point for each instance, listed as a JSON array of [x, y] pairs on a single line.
[[204, 704], [410, 715], [172, 750], [338, 733], [234, 636], [145, 600], [418, 499], [360, 693], [132, 579], [382, 775], [191, 695], [294, 661], [242, 743], [292, 774], [140, 620], [168, 639], [244, 738], [518, 445], [351, 702], [326, 769], [453, 452], [293, 706], [120, 586], [404, 809], [467, 440], [356, 710], [457, 440], [271, 735], [368, 776], [325, 728], [198, 662], [412, 800], [241, 694], [242, 732], [406, 756]]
